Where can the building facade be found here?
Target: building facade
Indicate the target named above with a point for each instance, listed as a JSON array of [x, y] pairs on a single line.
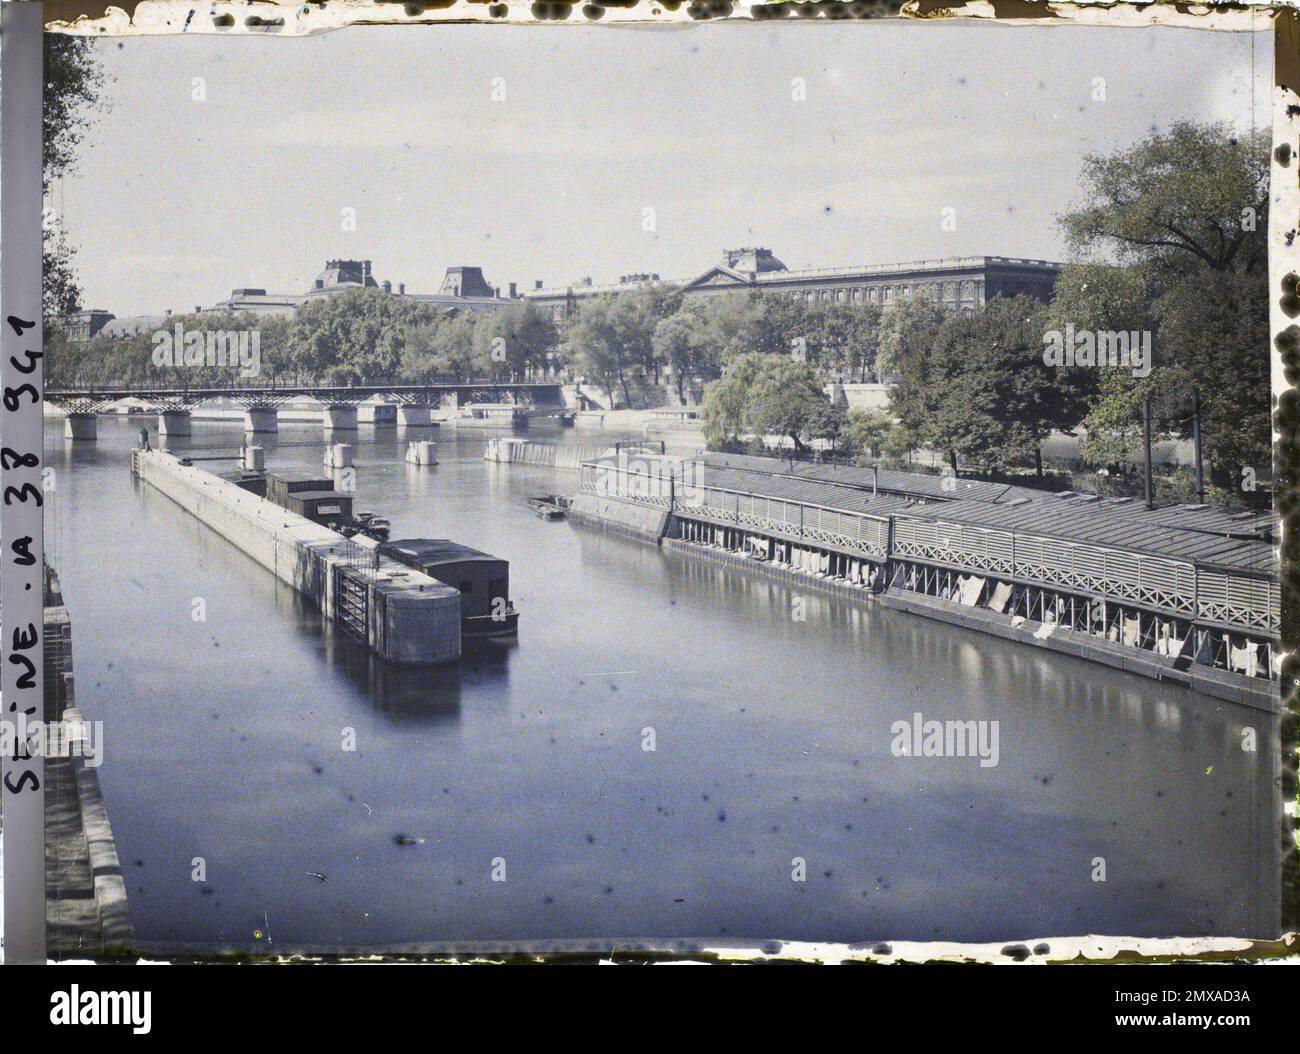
[[961, 283], [82, 325], [462, 289]]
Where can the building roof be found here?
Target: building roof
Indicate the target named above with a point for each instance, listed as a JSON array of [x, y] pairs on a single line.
[[1124, 525], [687, 474], [805, 491], [948, 263], [1232, 539], [429, 552], [466, 281], [132, 325], [759, 267], [319, 495], [888, 481]]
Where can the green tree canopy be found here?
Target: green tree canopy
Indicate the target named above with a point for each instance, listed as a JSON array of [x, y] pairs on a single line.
[[596, 345], [980, 390], [905, 326], [683, 347], [356, 336], [1184, 216], [513, 340], [72, 98], [767, 395], [1190, 198]]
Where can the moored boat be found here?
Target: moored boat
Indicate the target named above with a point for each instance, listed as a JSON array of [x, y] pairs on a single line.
[[549, 506]]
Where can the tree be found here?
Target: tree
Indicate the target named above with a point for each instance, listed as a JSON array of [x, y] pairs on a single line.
[[71, 99], [981, 390], [594, 344], [765, 395], [1113, 425], [651, 306], [1214, 337], [905, 326], [1185, 214], [513, 340], [356, 336], [787, 399], [682, 346], [1102, 296], [825, 423], [756, 323], [1194, 197], [453, 346], [726, 400], [849, 338], [865, 433]]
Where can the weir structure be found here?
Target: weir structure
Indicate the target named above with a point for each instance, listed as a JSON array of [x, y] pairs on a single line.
[[402, 615], [1189, 594]]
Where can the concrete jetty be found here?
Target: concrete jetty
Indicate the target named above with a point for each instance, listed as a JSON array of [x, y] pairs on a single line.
[[404, 616]]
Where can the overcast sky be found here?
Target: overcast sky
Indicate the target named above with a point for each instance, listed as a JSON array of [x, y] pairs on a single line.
[[178, 201]]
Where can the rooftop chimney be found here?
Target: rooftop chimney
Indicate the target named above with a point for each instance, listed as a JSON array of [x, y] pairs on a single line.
[[514, 291], [388, 286], [537, 283], [401, 289]]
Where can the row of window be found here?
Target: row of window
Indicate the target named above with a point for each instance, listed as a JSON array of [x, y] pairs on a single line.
[[936, 291], [965, 292]]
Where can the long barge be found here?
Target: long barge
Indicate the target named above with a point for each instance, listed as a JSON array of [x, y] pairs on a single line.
[[1188, 594], [404, 616]]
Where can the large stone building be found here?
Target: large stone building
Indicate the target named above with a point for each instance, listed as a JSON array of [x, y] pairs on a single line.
[[962, 283], [463, 289], [82, 325]]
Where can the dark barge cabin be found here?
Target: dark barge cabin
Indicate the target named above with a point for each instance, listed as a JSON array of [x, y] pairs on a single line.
[[483, 581], [314, 499]]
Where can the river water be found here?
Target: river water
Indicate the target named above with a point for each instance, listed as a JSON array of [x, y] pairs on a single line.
[[224, 741]]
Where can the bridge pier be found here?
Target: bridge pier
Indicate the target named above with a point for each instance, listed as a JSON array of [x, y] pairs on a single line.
[[174, 423], [81, 426], [414, 416], [377, 414], [261, 419], [341, 418], [338, 455], [421, 452]]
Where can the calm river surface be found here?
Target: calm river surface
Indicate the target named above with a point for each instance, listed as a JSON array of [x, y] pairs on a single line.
[[224, 741]]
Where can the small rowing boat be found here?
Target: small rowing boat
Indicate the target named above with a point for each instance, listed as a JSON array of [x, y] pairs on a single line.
[[549, 506]]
